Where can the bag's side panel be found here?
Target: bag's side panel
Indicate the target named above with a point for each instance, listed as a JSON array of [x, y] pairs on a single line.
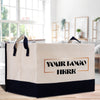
[[13, 62], [21, 70], [21, 67], [28, 64]]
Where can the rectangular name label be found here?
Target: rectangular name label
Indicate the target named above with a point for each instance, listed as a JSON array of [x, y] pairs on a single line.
[[66, 66]]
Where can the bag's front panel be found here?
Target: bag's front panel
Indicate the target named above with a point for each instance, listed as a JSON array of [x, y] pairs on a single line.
[[21, 67], [65, 62]]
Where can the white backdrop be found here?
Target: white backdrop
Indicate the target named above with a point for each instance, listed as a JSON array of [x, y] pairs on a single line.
[[69, 9]]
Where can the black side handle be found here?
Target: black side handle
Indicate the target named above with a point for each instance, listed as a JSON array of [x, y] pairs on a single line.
[[25, 44], [73, 38], [15, 50]]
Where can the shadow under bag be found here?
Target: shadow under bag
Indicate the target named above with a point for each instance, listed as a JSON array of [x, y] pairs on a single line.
[[42, 70]]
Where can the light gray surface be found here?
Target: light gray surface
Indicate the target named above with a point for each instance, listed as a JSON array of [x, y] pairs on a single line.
[[2, 44], [2, 65], [97, 78]]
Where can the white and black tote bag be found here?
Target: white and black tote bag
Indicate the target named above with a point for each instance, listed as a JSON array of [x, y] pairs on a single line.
[[41, 70]]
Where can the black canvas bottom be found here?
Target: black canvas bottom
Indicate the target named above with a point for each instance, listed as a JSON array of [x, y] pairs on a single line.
[[45, 90]]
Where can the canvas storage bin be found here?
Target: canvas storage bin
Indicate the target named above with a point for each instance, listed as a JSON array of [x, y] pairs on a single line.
[[41, 70]]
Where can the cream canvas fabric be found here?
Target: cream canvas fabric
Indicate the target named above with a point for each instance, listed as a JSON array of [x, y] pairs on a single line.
[[51, 63]]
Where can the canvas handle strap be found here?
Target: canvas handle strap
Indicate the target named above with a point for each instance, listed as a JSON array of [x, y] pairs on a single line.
[[73, 38], [25, 44]]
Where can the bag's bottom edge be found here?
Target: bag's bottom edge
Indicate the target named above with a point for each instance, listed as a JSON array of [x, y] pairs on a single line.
[[48, 90]]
